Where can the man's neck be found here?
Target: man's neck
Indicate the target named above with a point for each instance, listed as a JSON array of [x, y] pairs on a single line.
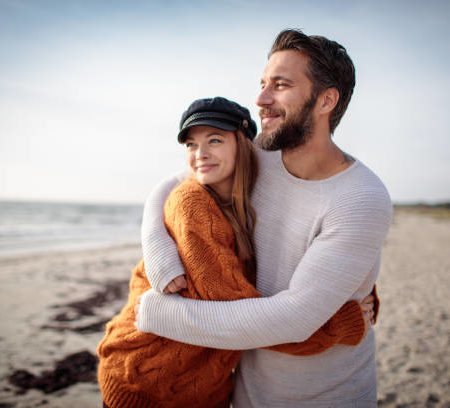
[[317, 159]]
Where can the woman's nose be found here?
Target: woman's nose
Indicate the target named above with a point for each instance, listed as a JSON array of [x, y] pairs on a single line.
[[202, 151]]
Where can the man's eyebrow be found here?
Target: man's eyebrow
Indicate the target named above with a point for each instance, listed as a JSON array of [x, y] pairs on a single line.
[[281, 78], [277, 78]]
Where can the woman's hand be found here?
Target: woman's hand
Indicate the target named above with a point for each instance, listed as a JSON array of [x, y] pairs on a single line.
[[175, 285], [367, 309]]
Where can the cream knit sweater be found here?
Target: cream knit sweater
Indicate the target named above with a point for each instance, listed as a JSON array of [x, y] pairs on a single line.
[[318, 245]]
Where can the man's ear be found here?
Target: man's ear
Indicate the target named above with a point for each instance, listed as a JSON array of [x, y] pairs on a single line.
[[328, 100]]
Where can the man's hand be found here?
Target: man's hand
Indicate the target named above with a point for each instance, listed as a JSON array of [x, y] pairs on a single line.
[[175, 285], [367, 309]]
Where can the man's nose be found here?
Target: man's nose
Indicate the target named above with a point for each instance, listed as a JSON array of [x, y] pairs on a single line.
[[265, 97]]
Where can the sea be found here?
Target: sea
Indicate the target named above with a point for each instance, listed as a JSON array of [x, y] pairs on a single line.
[[36, 227]]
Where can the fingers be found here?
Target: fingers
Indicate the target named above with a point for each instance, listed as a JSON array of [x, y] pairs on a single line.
[[366, 307], [368, 299], [171, 287], [367, 303], [366, 320], [176, 285], [368, 316], [180, 282]]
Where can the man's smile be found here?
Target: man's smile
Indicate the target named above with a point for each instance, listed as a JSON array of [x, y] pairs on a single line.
[[269, 115]]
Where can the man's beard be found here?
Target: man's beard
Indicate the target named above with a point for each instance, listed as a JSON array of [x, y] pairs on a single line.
[[291, 134]]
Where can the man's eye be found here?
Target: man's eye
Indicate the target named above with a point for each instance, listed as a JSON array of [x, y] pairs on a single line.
[[280, 85]]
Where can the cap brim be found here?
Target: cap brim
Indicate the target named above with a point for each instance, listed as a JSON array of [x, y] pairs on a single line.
[[205, 122]]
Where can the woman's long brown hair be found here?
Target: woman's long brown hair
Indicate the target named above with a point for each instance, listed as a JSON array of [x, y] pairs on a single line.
[[239, 212]]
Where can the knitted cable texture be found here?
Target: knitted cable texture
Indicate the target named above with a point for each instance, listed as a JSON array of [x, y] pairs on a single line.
[[139, 369]]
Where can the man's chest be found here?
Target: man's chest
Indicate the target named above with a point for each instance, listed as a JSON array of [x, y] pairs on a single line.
[[288, 218]]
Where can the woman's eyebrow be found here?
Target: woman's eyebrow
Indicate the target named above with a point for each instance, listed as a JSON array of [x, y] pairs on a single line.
[[214, 133]]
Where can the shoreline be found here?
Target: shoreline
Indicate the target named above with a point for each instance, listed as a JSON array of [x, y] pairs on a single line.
[[65, 250]]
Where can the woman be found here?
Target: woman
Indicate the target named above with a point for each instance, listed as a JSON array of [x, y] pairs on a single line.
[[210, 218]]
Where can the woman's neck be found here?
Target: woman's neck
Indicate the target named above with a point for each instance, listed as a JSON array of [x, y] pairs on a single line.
[[223, 191]]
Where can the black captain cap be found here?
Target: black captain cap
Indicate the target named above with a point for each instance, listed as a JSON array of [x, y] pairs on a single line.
[[217, 112]]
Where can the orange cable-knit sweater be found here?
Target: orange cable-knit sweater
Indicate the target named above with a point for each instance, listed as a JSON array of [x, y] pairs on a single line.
[[139, 369]]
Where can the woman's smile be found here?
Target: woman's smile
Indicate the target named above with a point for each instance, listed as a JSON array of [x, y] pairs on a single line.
[[204, 168]]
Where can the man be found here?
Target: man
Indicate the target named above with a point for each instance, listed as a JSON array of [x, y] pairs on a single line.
[[322, 217]]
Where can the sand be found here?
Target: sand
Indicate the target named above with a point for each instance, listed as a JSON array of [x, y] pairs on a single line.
[[55, 305], [413, 333]]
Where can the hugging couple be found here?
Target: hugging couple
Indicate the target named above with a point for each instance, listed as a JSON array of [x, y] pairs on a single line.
[[256, 287]]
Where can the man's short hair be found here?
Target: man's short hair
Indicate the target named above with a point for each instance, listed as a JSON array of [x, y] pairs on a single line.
[[329, 66]]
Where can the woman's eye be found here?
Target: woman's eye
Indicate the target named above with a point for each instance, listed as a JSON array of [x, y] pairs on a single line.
[[214, 140], [189, 145]]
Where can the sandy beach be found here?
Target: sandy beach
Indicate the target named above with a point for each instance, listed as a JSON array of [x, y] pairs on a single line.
[[55, 305]]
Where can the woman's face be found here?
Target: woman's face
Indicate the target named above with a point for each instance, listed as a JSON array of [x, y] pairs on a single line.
[[211, 155]]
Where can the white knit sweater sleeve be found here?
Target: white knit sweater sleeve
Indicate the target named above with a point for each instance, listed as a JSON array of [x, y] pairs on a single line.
[[161, 260], [331, 270]]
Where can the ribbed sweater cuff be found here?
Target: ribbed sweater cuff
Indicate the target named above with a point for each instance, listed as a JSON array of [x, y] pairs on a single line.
[[116, 395], [350, 326], [163, 267]]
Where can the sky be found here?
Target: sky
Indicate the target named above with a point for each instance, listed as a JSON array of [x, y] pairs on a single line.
[[91, 92]]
